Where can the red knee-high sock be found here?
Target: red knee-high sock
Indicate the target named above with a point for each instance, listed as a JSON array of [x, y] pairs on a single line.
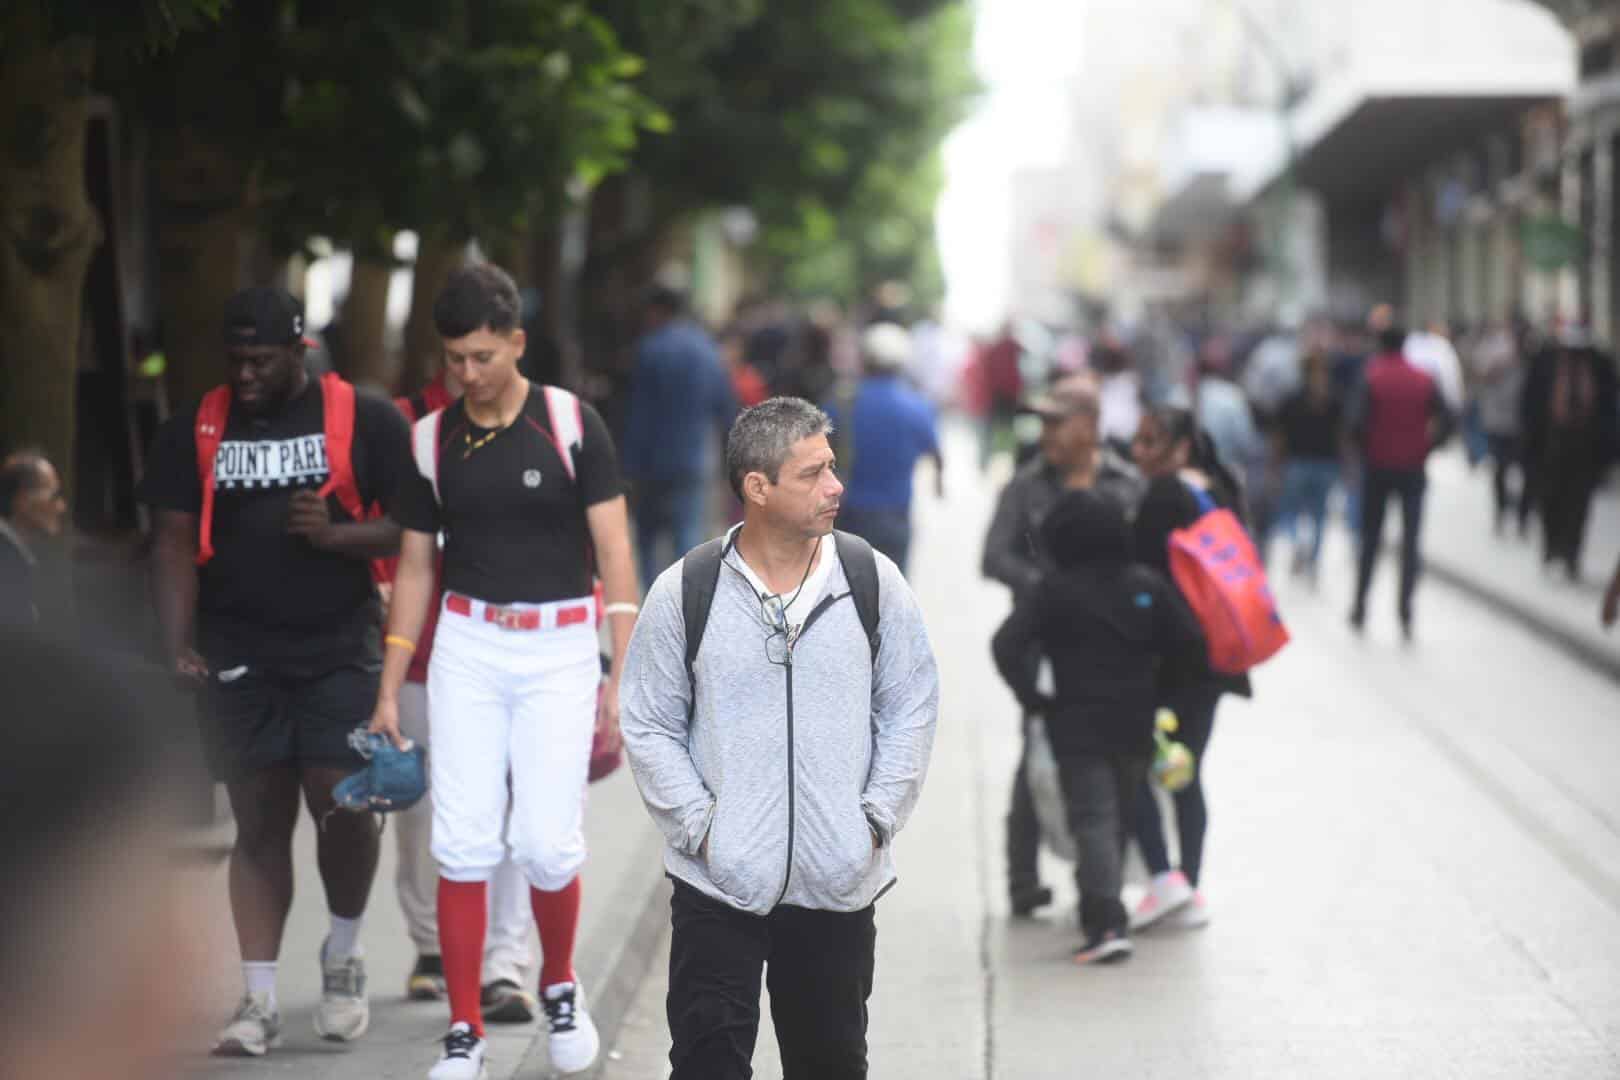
[[463, 921], [556, 915]]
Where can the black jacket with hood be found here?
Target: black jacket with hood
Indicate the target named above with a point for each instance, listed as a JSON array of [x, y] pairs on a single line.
[[1114, 632]]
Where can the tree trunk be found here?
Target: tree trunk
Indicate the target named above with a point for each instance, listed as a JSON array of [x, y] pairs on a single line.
[[201, 190], [365, 324], [48, 234], [436, 256]]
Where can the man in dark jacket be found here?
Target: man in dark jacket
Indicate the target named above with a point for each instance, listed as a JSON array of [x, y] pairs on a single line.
[[1398, 417], [1568, 415], [31, 508], [1072, 458], [1113, 632]]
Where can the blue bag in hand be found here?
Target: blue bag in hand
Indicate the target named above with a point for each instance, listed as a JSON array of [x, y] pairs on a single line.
[[393, 779]]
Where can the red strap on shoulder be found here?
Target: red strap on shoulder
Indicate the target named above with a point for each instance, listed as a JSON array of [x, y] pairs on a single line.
[[337, 403], [212, 414]]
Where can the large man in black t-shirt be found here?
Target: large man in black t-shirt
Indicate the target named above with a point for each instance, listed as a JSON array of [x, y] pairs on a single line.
[[264, 590], [523, 485]]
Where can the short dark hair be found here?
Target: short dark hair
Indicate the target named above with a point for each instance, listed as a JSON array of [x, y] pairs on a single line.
[[665, 298], [762, 437], [479, 296], [1392, 339], [21, 472]]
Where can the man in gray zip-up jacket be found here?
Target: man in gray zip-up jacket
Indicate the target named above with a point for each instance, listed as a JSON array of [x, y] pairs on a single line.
[[781, 786]]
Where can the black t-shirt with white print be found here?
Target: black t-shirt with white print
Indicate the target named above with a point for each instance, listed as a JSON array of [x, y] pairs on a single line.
[[513, 521], [267, 597]]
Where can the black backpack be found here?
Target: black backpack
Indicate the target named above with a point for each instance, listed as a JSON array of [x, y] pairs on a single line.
[[700, 576]]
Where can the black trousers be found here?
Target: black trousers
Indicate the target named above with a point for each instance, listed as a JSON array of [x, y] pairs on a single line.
[[1378, 487], [1023, 835], [1100, 792], [1569, 479], [817, 964]]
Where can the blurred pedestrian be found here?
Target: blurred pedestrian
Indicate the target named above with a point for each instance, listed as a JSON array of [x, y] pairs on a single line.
[[523, 482], [885, 428], [262, 497], [1310, 429], [1119, 391], [1398, 418], [508, 956], [787, 624], [680, 403], [1111, 630], [1002, 385], [1569, 413], [32, 509], [1225, 415], [100, 919], [1181, 463], [1430, 351], [1072, 457], [1499, 373], [747, 384]]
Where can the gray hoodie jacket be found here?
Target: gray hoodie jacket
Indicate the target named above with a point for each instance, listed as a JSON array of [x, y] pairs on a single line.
[[786, 770]]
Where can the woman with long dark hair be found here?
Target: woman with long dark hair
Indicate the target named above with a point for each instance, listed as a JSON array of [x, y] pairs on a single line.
[[1180, 461]]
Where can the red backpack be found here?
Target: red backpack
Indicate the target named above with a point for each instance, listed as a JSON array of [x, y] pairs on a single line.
[[1219, 572], [337, 411]]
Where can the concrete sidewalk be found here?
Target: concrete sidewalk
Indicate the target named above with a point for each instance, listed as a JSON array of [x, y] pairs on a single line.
[[621, 920], [1505, 571]]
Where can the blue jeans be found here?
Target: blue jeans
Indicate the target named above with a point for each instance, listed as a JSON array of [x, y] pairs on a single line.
[[672, 507], [889, 531], [1307, 484]]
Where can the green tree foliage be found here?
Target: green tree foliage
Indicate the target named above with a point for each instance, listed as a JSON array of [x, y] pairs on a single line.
[[415, 114], [822, 115], [48, 55]]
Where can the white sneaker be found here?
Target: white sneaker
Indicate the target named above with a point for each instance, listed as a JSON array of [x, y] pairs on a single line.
[[1167, 894], [1194, 915], [253, 1031], [574, 1041], [343, 1014], [463, 1056]]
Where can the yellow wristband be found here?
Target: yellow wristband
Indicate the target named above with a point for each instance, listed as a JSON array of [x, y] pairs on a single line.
[[405, 643]]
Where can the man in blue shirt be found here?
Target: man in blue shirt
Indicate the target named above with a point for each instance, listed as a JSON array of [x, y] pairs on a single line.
[[881, 434], [679, 398]]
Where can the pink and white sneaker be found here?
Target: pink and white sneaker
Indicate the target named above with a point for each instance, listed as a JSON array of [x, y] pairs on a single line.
[[1194, 915], [1166, 895]]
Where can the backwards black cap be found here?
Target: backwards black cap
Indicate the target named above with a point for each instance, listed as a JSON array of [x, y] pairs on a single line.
[[261, 316]]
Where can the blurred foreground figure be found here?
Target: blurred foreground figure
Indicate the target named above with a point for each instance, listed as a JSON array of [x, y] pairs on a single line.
[[93, 887], [31, 507]]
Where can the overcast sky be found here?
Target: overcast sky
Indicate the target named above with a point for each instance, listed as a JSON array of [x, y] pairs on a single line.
[[1035, 57]]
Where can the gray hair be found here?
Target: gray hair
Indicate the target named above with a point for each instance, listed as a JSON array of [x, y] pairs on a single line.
[[762, 437]]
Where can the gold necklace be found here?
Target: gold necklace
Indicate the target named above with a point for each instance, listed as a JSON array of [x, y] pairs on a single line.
[[470, 444]]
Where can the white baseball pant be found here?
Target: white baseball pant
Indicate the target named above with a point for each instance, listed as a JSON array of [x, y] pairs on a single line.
[[518, 703], [508, 947]]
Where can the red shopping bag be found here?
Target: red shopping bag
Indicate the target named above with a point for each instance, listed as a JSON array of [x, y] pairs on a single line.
[[1216, 567]]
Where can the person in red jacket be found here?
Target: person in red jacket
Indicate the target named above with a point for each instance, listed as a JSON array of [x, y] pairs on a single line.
[[1396, 419]]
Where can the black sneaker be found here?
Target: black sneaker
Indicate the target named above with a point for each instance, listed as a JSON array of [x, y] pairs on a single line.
[[427, 980], [505, 1002], [1026, 900], [1108, 947]]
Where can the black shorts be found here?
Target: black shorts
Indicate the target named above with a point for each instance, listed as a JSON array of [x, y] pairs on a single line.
[[261, 719]]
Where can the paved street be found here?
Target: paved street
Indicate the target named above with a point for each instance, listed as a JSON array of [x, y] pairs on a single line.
[[1412, 867]]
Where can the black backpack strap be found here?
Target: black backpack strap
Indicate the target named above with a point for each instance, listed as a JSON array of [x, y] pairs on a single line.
[[860, 567], [700, 576]]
